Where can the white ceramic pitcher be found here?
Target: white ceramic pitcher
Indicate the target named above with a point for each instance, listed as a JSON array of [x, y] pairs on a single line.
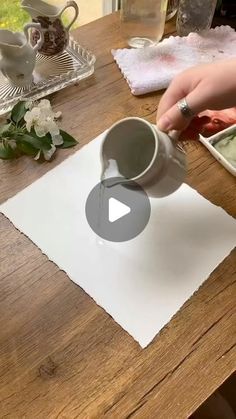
[[18, 56]]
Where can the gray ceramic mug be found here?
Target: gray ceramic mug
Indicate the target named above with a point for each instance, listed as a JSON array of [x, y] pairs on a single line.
[[145, 155]]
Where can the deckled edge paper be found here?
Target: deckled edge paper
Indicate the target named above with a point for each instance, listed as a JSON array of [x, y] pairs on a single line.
[[145, 327]]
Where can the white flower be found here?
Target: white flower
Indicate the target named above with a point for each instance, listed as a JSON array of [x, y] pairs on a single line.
[[47, 111], [49, 153], [41, 128], [57, 139], [42, 119], [29, 105], [46, 153], [32, 118], [52, 126], [57, 115], [44, 104]]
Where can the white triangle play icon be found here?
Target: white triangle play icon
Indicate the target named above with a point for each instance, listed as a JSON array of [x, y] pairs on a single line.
[[117, 210]]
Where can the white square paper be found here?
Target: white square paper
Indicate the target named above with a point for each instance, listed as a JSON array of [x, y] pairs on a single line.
[[141, 283]]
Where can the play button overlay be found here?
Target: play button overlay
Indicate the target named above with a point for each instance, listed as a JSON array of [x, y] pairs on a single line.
[[117, 211]]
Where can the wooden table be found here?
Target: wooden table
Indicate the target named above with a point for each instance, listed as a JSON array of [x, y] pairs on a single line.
[[62, 356]]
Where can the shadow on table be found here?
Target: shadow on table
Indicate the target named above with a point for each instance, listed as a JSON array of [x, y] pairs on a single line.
[[222, 404]]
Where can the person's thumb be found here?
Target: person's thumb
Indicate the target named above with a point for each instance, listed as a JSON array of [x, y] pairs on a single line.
[[174, 119]]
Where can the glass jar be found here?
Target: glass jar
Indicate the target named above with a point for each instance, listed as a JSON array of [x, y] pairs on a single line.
[[143, 21], [195, 15]]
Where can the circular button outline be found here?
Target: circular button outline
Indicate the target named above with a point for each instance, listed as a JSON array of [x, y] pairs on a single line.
[[127, 227]]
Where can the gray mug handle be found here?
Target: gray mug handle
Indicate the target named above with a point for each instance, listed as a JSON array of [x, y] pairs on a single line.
[[73, 4], [38, 27]]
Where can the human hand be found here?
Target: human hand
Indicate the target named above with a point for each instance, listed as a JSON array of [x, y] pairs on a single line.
[[208, 86]]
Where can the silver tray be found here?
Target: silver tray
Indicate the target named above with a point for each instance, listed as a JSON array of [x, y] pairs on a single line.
[[50, 75]]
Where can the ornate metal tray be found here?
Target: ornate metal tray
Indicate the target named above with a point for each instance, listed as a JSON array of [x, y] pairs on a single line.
[[50, 75]]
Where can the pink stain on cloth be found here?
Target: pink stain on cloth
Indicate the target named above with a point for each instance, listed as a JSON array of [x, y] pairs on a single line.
[[152, 68]]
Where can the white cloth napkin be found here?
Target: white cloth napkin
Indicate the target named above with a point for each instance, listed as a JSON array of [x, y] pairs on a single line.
[[152, 68], [141, 283]]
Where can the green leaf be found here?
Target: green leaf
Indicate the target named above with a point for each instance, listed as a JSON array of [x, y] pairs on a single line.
[[39, 143], [69, 141], [18, 112], [46, 141], [4, 130], [6, 152], [26, 148]]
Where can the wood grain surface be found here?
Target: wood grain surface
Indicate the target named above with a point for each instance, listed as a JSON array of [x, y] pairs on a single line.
[[62, 356]]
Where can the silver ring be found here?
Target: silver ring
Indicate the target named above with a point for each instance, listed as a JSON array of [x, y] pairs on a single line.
[[185, 109]]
